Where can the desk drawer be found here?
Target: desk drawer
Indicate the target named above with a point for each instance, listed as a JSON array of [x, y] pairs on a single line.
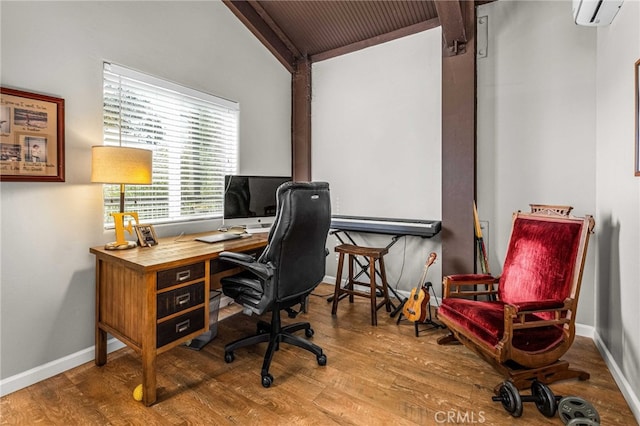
[[178, 327], [182, 274], [180, 299]]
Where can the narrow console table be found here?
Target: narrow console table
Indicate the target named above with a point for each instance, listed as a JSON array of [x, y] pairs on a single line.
[[155, 298]]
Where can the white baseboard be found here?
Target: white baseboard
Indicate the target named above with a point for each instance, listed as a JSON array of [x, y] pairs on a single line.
[[625, 387], [50, 369]]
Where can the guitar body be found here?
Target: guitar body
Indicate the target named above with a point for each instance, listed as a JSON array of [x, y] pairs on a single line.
[[415, 308]]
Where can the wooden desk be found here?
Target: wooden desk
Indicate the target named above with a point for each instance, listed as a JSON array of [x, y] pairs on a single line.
[[155, 298]]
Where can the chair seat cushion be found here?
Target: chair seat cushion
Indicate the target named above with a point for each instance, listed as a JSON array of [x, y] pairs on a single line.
[[485, 320], [244, 283]]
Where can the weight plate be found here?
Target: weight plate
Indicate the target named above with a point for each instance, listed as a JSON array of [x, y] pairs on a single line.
[[574, 407], [582, 422], [510, 398], [544, 398]]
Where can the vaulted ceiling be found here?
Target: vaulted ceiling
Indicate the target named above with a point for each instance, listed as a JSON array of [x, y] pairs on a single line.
[[301, 32], [313, 30]]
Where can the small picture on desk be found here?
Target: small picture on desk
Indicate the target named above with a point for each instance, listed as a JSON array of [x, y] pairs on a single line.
[[146, 235]]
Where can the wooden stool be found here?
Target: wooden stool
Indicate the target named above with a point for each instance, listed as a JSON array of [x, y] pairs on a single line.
[[372, 254]]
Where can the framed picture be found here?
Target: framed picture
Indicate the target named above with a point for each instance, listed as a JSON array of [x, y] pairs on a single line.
[[637, 158], [146, 235], [31, 137]]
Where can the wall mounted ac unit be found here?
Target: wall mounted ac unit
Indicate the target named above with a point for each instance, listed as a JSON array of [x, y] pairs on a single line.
[[595, 12]]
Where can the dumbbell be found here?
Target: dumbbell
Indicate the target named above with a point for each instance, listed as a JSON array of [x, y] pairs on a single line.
[[546, 402]]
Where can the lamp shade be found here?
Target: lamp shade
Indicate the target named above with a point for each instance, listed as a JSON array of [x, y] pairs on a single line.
[[123, 165]]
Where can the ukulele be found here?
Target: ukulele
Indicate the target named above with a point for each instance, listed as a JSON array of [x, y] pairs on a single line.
[[415, 307]]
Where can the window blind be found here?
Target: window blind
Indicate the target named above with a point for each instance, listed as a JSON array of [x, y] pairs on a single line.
[[193, 136]]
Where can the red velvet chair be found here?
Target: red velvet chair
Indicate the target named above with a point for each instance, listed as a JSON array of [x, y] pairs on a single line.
[[527, 322]]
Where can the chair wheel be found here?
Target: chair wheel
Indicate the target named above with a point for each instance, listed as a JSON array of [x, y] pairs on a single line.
[[322, 359], [228, 357], [267, 380], [309, 332]]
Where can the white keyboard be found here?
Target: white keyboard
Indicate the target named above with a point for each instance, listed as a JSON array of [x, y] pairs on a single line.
[[257, 230]]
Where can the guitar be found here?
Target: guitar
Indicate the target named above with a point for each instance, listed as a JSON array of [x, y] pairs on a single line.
[[481, 249], [415, 307]]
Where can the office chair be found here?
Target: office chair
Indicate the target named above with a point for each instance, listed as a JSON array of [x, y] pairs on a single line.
[[288, 270]]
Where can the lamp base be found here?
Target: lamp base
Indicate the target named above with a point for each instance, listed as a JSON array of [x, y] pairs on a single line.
[[121, 246]]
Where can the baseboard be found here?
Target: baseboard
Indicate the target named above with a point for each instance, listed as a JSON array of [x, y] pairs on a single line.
[[50, 369], [625, 387], [585, 330]]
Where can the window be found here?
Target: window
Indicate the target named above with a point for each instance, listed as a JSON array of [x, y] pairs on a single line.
[[193, 136]]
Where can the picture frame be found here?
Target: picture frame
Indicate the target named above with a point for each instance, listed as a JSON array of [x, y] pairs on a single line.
[[146, 235], [31, 137], [637, 116]]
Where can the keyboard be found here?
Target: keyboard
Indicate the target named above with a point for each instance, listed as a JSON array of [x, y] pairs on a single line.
[[257, 230], [216, 238]]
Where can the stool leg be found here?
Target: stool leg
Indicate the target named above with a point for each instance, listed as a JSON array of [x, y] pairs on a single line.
[[336, 291], [351, 279], [372, 276], [385, 285]]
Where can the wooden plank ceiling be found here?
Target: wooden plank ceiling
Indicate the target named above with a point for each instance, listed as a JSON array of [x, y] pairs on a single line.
[[313, 30]]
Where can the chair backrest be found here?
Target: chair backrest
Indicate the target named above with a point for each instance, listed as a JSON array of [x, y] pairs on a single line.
[[297, 241], [545, 258]]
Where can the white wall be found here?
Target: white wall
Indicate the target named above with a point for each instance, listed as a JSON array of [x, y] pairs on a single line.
[[555, 125], [618, 200], [376, 138], [57, 48], [536, 121]]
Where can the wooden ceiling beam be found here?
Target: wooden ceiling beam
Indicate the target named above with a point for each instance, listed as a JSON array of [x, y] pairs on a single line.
[[260, 28], [459, 152], [301, 122], [453, 25], [275, 28]]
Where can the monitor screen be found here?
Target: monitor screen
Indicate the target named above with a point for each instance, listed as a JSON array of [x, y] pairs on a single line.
[[251, 196]]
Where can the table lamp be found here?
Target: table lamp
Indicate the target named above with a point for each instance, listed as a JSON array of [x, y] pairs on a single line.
[[123, 166]]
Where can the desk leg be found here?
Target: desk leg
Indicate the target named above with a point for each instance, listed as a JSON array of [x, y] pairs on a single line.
[[101, 335], [101, 347], [148, 377]]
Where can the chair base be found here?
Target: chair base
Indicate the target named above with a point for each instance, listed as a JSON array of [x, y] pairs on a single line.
[[274, 333], [523, 376]]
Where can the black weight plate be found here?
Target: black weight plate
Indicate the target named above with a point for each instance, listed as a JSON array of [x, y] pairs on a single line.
[[574, 407], [510, 398], [544, 398]]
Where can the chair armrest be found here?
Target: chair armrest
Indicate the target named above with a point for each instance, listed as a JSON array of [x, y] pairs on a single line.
[[248, 262], [452, 285], [231, 256], [539, 305], [521, 315]]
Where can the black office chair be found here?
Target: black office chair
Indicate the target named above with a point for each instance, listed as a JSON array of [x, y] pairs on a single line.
[[287, 271]]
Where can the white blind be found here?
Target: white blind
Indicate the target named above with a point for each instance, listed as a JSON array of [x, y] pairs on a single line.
[[193, 136]]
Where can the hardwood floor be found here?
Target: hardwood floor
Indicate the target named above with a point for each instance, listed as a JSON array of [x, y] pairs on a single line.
[[380, 375]]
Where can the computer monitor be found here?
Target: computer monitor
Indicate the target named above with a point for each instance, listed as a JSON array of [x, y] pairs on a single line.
[[250, 200]]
